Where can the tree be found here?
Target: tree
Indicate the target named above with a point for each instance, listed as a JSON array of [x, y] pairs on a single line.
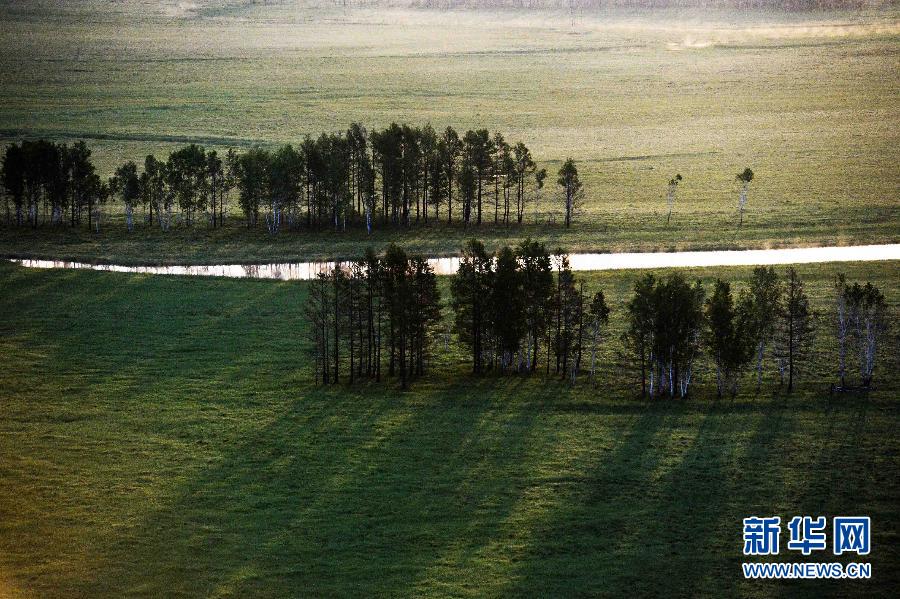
[[539, 177], [448, 152], [670, 195], [866, 316], [641, 323], [285, 175], [744, 178], [155, 188], [186, 178], [83, 181], [501, 167], [729, 335], [507, 306], [765, 293], [219, 184], [250, 172], [796, 329], [14, 179], [567, 305], [477, 150], [425, 311], [537, 288], [598, 318], [678, 325], [126, 184], [471, 293], [665, 324], [318, 313], [524, 166], [571, 188]]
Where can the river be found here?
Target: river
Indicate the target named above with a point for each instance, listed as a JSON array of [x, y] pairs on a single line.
[[446, 266]]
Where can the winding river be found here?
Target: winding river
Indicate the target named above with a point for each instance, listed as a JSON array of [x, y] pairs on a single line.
[[444, 266]]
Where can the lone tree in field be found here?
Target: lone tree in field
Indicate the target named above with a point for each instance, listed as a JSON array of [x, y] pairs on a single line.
[[744, 177], [670, 195], [572, 189], [765, 293], [796, 328]]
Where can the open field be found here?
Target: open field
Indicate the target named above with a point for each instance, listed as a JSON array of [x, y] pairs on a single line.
[[808, 101], [159, 436]]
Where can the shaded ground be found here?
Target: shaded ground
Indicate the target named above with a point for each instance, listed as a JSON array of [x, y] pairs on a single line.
[[159, 435]]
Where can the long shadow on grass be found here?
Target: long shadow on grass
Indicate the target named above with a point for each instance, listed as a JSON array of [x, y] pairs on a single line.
[[574, 549], [359, 498], [656, 515]]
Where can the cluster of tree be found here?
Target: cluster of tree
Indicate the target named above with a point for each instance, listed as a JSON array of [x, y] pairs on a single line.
[[510, 311], [670, 321], [522, 310], [42, 177], [55, 182], [398, 175], [354, 307], [861, 321]]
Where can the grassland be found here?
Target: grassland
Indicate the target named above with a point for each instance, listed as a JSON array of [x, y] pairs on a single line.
[[809, 102], [160, 436]]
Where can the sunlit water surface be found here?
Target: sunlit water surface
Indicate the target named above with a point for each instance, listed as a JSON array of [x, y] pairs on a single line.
[[301, 271]]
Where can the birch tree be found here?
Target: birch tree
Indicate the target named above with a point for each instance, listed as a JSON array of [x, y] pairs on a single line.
[[765, 293], [867, 315], [126, 184], [670, 195], [744, 179]]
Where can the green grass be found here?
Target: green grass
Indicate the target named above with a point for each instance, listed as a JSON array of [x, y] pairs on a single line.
[[807, 101], [159, 436]]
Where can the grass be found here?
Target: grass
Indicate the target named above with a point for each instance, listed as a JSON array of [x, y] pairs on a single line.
[[806, 101], [159, 436]]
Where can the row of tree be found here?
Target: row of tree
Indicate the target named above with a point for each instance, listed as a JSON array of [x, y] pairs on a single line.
[[510, 311], [359, 309], [54, 178], [400, 175], [523, 310]]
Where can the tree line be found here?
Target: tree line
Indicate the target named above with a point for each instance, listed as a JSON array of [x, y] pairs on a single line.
[[523, 311], [399, 176]]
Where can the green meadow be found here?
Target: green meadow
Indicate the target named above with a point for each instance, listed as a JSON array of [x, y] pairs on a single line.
[[807, 101], [160, 436]]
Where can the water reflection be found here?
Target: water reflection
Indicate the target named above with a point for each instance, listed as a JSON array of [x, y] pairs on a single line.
[[301, 271]]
